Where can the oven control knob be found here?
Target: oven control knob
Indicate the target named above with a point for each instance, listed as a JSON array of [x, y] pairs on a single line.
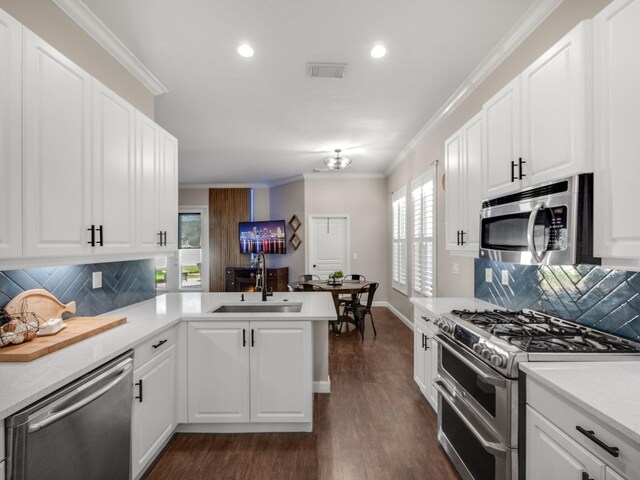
[[447, 327], [498, 360], [478, 348], [487, 353]]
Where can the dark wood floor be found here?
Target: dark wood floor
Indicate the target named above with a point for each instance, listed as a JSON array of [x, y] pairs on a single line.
[[374, 425]]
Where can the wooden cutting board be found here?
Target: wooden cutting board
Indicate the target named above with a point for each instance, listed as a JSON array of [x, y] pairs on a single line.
[[78, 328], [40, 302]]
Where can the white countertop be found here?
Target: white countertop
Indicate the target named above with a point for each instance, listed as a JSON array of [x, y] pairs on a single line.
[[607, 390], [22, 383], [438, 305]]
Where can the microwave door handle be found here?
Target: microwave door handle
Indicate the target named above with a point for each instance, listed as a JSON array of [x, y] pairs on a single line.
[[530, 240]]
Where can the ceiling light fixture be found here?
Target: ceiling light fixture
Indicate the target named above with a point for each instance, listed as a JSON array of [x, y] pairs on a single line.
[[245, 50], [378, 51], [335, 163]]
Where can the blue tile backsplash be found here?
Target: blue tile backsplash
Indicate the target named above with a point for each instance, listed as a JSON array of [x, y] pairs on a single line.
[[123, 283], [608, 300]]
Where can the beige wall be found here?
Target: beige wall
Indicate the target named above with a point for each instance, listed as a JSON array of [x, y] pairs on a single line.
[[431, 147], [51, 24], [364, 200], [193, 197], [261, 203], [285, 201]]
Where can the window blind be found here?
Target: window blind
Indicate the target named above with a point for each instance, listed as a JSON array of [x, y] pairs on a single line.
[[399, 254], [424, 235]]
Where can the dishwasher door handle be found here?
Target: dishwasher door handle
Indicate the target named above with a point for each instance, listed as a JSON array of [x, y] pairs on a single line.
[[125, 367]]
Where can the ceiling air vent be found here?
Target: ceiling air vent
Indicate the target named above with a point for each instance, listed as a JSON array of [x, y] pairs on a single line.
[[326, 70]]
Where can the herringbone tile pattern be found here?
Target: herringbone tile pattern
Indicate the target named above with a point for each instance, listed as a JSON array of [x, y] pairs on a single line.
[[608, 300], [123, 283]]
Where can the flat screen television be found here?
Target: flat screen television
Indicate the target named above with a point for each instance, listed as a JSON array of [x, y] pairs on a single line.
[[267, 237]]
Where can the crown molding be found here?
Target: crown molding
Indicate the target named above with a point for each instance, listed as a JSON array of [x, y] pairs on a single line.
[[87, 20], [536, 14], [223, 185]]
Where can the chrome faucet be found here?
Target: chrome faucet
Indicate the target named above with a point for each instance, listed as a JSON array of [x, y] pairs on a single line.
[[261, 277]]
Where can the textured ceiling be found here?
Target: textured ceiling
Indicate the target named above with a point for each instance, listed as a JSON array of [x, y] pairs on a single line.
[[262, 119]]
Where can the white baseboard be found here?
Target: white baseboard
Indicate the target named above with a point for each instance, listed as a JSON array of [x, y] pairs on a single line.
[[243, 427], [323, 386], [397, 313]]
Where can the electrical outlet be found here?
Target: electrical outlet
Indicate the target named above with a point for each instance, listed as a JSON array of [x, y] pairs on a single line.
[[505, 277], [456, 268], [488, 275], [96, 280]]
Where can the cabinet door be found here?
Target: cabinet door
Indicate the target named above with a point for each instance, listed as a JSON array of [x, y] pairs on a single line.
[[453, 192], [617, 142], [10, 137], [611, 475], [281, 372], [153, 416], [148, 179], [113, 170], [502, 140], [553, 455], [420, 373], [432, 369], [218, 380], [471, 192], [56, 151], [168, 194], [554, 99]]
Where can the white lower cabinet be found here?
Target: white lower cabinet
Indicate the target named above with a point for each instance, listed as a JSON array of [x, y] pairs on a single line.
[[425, 360], [243, 372], [154, 407], [553, 455]]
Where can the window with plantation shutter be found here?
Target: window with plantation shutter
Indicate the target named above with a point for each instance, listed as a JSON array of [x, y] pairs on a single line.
[[424, 235], [399, 254]]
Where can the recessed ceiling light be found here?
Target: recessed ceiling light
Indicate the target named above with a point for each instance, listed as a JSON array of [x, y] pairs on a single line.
[[378, 51], [245, 50]]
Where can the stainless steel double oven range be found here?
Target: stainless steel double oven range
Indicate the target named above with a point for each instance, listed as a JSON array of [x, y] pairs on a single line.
[[479, 395]]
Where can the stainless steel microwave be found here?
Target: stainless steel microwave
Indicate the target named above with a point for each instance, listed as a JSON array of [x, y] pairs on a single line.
[[549, 224]]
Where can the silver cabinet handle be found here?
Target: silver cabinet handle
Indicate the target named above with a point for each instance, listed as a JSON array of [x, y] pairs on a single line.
[[495, 381], [495, 449], [125, 367], [530, 240]]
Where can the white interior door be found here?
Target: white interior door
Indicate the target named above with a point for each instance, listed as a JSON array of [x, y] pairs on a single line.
[[328, 244]]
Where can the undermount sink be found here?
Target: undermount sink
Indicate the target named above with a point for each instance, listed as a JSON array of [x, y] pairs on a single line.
[[259, 308]]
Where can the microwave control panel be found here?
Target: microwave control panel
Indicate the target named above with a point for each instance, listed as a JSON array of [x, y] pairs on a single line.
[[556, 228]]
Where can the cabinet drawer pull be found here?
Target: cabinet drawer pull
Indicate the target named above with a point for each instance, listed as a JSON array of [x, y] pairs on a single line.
[[139, 396], [613, 451], [160, 235], [159, 344], [423, 337], [520, 174], [426, 319], [585, 476], [92, 242], [100, 231], [244, 337], [252, 337], [513, 170], [461, 237]]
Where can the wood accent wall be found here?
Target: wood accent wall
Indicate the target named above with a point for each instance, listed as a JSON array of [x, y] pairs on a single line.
[[227, 207]]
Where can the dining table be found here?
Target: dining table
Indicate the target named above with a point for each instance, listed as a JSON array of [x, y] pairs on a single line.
[[346, 287]]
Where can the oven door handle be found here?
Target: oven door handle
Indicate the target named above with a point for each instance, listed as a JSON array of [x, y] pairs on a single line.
[[495, 449], [495, 381], [530, 240]]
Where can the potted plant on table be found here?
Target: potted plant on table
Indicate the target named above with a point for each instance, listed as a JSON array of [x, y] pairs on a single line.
[[336, 277]]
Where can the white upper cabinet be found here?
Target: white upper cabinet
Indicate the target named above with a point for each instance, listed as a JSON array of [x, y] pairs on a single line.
[[168, 198], [463, 163], [56, 149], [555, 101], [113, 171], [10, 137], [148, 177], [502, 120], [617, 137], [537, 127]]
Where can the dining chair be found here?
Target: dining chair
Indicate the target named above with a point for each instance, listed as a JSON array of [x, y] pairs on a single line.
[[307, 277], [351, 297], [307, 287], [355, 277], [360, 310]]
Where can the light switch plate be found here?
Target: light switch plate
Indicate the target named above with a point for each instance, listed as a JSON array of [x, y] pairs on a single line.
[[96, 280], [456, 268], [505, 277], [488, 275]]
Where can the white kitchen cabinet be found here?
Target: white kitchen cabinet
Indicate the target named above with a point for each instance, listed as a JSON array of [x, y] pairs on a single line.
[[611, 475], [463, 163], [157, 187], [241, 372], [10, 137], [425, 359], [553, 455], [617, 142], [537, 127], [154, 408], [56, 152], [113, 171]]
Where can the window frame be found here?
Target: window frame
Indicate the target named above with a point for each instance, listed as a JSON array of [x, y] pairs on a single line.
[[425, 289], [399, 238]]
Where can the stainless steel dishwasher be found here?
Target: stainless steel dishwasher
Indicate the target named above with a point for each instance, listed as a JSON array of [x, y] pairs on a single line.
[[82, 431]]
